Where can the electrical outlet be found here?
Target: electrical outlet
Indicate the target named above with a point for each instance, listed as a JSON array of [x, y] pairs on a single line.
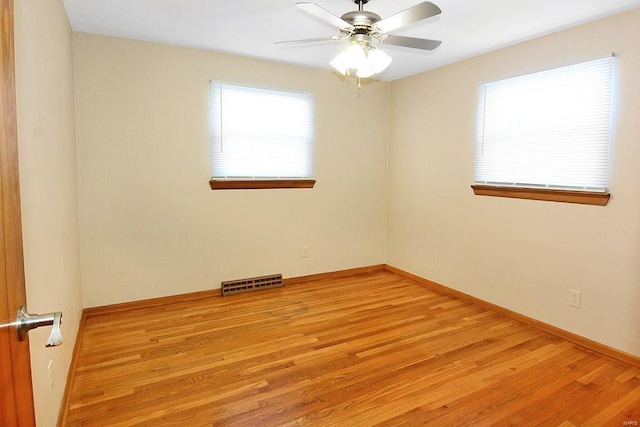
[[575, 298], [305, 252], [50, 370]]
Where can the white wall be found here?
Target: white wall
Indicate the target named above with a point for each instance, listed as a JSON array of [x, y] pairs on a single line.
[[150, 224], [47, 152], [520, 254]]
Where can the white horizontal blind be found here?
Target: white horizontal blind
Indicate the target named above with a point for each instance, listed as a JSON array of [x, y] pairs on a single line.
[[550, 129], [260, 133]]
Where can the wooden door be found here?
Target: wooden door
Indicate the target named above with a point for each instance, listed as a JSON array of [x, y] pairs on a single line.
[[16, 394]]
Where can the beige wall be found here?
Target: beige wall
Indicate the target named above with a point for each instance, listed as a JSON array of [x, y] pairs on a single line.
[[150, 224], [46, 137], [519, 254]]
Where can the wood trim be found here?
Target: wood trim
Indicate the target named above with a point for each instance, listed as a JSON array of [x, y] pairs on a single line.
[[333, 275], [580, 197], [545, 327], [258, 184], [66, 397], [153, 302]]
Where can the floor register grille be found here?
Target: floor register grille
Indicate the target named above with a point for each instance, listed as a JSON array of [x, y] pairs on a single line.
[[233, 287]]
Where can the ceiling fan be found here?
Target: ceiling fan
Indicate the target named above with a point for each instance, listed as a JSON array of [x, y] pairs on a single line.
[[362, 28]]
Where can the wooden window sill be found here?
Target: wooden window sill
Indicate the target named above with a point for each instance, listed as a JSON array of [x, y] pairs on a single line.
[[581, 197], [256, 184]]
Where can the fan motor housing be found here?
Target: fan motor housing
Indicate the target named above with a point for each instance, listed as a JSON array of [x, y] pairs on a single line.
[[361, 19]]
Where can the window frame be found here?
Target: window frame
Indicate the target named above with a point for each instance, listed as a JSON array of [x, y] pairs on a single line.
[[547, 192], [258, 182], [595, 198]]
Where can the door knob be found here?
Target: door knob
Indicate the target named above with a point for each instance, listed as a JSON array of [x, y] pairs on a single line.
[[26, 322]]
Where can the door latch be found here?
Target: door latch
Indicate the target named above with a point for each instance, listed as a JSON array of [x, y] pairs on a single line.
[[27, 322]]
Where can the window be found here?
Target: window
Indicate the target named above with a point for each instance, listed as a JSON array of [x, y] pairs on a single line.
[[547, 133], [260, 138]]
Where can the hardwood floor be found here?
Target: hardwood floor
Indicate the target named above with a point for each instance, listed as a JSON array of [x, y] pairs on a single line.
[[372, 349]]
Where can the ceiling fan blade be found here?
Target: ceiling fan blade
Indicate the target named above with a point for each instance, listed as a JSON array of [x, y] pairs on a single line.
[[323, 39], [325, 15], [415, 13], [411, 42]]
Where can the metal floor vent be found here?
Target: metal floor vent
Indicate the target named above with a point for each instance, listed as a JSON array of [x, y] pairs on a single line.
[[232, 287]]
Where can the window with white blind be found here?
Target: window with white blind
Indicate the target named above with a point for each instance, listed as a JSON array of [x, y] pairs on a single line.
[[549, 130], [260, 138]]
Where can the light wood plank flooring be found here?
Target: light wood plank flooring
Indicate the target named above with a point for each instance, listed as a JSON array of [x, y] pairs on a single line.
[[372, 349]]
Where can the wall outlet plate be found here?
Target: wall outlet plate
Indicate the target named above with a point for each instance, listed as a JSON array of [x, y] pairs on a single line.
[[575, 298]]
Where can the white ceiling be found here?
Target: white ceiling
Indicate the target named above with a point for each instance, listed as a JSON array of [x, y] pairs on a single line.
[[250, 27]]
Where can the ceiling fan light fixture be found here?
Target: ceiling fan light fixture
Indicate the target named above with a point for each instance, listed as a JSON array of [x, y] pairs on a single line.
[[341, 63], [365, 69], [355, 55], [350, 59], [360, 56], [378, 59]]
